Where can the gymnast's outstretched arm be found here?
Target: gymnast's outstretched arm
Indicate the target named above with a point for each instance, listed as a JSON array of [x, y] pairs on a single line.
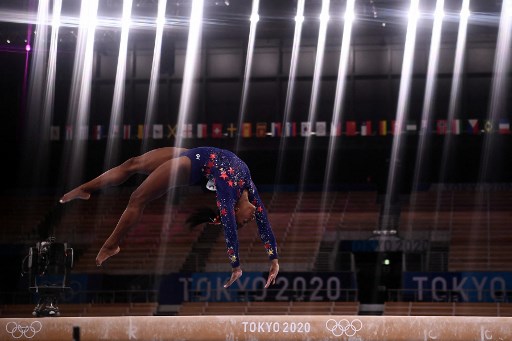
[[143, 164]]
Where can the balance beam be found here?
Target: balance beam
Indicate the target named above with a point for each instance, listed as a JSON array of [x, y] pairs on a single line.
[[268, 327]]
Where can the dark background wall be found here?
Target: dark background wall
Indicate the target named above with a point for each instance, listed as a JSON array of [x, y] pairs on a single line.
[[372, 88]]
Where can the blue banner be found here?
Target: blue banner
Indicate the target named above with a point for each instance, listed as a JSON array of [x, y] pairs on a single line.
[[304, 286], [478, 286]]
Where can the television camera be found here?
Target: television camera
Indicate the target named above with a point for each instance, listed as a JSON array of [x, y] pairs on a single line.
[[48, 258]]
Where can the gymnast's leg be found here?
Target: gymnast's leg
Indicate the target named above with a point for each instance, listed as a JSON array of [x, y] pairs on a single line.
[[172, 173], [143, 164]]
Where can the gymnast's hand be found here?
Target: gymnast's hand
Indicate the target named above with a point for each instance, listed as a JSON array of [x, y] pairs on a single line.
[[236, 273], [105, 253], [272, 274], [77, 193]]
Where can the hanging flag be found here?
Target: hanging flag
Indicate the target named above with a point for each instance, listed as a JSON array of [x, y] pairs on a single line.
[[140, 131], [69, 132], [127, 132], [216, 130], [276, 129], [335, 129], [473, 127], [247, 129], [172, 131], [394, 127], [158, 131], [441, 127], [321, 128], [55, 133], [425, 127], [291, 129], [366, 128], [202, 130], [186, 131], [97, 132], [305, 129], [504, 126], [232, 130], [455, 127], [114, 132], [83, 132], [261, 129], [411, 127], [488, 126], [350, 128], [383, 128]]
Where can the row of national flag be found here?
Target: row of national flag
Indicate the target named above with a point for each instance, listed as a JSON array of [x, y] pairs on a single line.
[[278, 129]]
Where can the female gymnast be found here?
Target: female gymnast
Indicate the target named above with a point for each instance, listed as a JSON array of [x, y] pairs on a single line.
[[238, 200]]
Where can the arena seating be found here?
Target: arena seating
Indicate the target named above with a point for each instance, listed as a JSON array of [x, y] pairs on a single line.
[[269, 308], [473, 224], [90, 309], [447, 309]]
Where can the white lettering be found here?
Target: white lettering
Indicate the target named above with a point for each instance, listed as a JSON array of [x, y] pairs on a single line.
[[132, 331], [185, 282], [205, 281], [459, 287], [261, 288], [485, 334], [221, 291], [420, 281], [501, 287], [275, 327], [442, 281], [243, 284], [479, 286]]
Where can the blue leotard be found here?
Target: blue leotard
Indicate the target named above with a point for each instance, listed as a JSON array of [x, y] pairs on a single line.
[[231, 176]]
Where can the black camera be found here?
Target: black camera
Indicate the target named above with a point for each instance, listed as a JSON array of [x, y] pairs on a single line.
[[48, 258]]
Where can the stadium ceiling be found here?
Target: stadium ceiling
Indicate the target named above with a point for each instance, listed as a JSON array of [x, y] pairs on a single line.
[[229, 18]]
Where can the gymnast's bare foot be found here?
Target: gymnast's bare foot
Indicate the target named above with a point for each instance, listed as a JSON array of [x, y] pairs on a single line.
[[105, 253], [77, 193]]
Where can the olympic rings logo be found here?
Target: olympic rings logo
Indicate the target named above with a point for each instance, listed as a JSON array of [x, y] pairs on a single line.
[[17, 330], [343, 327]]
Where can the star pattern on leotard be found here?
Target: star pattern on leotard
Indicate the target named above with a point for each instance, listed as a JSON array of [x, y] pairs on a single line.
[[268, 248], [231, 255], [231, 177]]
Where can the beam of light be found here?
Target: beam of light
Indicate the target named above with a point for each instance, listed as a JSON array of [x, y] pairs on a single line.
[[405, 88], [136, 22], [144, 22], [312, 112], [155, 73], [119, 90], [191, 66], [349, 18], [149, 120], [454, 103], [187, 94], [339, 97], [79, 102], [428, 100], [34, 124], [299, 19], [49, 96], [247, 71], [499, 89]]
